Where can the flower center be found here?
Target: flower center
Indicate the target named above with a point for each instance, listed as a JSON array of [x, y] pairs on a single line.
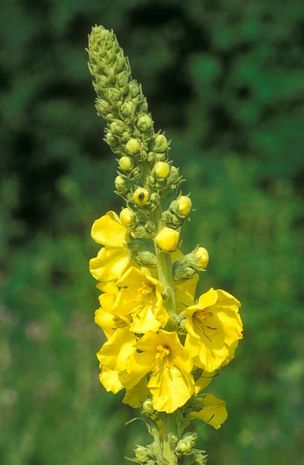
[[162, 351], [202, 315], [145, 289]]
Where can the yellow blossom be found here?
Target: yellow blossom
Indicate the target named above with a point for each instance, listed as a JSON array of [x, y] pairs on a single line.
[[114, 258], [140, 296], [168, 365], [185, 292], [214, 328], [213, 412], [167, 239], [113, 357]]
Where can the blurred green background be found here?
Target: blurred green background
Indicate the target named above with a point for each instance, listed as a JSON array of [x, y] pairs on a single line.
[[225, 79]]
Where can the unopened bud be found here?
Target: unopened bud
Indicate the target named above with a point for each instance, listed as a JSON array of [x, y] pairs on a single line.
[[160, 143], [111, 139], [127, 109], [120, 185], [145, 258], [112, 95], [117, 127], [134, 88], [140, 232], [127, 217], [167, 239], [162, 169], [144, 123], [133, 146], [200, 258], [174, 177], [141, 196], [148, 406], [102, 107], [125, 163], [184, 205], [155, 198], [141, 453], [186, 444]]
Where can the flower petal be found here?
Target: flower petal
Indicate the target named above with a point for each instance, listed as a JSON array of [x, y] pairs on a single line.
[[108, 231], [214, 411], [170, 387], [110, 263]]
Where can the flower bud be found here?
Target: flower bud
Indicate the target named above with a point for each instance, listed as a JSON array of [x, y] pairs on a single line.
[[160, 143], [134, 88], [125, 163], [141, 453], [162, 169], [127, 217], [141, 196], [175, 177], [186, 444], [173, 439], [102, 107], [122, 80], [145, 258], [167, 239], [151, 157], [120, 185], [112, 95], [184, 205], [133, 146], [111, 139], [144, 123], [117, 127], [155, 198], [140, 232], [161, 156], [200, 258], [127, 109], [148, 406]]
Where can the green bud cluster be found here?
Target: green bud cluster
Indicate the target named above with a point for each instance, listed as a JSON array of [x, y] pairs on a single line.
[[189, 264], [186, 444], [142, 154]]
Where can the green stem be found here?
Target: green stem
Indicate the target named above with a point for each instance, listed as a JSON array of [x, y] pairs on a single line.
[[164, 447], [165, 271]]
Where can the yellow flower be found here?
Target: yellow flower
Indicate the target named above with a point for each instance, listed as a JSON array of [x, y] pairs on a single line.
[[140, 296], [213, 412], [110, 380], [167, 239], [137, 395], [214, 328], [114, 258], [185, 292], [113, 357], [168, 364]]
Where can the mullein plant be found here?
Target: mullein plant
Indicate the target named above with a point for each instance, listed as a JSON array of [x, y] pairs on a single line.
[[164, 344]]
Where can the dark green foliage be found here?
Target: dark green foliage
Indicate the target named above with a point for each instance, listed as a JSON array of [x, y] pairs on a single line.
[[225, 79]]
